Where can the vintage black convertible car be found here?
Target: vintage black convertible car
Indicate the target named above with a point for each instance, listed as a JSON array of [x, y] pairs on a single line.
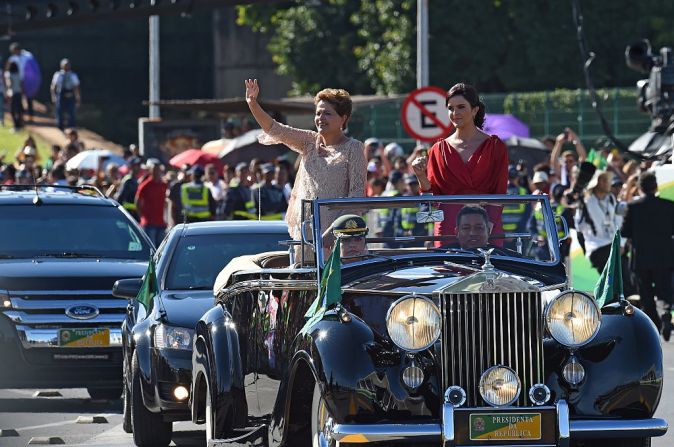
[[468, 338]]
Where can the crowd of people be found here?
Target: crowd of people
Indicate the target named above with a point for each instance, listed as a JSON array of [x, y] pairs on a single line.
[[332, 164]]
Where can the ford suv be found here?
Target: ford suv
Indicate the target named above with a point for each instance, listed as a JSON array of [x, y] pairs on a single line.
[[61, 250]]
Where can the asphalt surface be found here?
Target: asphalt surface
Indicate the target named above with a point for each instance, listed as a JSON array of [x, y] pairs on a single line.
[[55, 419]]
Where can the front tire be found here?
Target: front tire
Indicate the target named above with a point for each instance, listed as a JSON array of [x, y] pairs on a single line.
[[149, 429], [126, 400], [320, 420]]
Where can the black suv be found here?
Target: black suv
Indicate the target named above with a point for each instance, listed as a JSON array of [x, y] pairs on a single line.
[[61, 250]]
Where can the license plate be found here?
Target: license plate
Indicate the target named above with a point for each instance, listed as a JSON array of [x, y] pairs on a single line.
[[84, 338], [505, 426]]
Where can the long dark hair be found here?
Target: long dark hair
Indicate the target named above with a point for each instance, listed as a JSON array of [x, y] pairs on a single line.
[[470, 93]]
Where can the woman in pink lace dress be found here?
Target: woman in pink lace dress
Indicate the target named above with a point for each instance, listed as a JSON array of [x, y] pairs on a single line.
[[332, 165]]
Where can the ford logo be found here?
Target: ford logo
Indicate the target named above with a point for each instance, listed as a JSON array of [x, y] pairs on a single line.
[[82, 312]]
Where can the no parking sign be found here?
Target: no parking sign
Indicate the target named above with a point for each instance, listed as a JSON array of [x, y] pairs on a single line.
[[424, 115]]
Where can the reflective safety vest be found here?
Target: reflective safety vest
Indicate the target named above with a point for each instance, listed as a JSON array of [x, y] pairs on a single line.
[[514, 214], [129, 206], [247, 214], [409, 222], [540, 220], [194, 199]]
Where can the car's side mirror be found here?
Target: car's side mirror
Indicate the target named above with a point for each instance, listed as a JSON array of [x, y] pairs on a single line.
[[127, 288]]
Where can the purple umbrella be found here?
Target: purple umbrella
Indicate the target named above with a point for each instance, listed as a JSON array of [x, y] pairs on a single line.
[[505, 126]]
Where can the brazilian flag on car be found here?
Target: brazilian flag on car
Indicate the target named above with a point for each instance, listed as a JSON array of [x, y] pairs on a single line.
[[609, 288], [149, 288], [329, 290]]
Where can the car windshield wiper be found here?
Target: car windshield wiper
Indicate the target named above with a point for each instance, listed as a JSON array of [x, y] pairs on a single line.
[[199, 288], [67, 254]]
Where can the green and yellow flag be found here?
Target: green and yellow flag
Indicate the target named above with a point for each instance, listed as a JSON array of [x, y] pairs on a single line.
[[329, 289], [149, 288], [609, 288]]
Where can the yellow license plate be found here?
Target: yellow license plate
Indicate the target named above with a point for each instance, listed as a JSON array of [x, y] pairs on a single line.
[[505, 426], [84, 338]]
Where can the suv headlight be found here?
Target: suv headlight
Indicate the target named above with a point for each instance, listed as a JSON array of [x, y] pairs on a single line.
[[573, 318], [413, 323], [172, 337]]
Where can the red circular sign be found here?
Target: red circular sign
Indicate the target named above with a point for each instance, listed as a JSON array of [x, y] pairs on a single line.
[[424, 115]]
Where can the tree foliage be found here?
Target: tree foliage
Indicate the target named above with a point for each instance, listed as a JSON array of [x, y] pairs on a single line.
[[498, 45]]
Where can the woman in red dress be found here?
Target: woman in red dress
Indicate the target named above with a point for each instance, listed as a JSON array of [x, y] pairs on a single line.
[[469, 161]]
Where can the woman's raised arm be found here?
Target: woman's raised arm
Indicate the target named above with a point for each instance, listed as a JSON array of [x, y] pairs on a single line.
[[298, 140], [263, 119]]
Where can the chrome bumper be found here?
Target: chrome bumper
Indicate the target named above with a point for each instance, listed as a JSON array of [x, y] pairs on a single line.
[[49, 338], [444, 431]]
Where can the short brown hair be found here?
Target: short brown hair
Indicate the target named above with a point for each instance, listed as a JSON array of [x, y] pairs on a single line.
[[337, 98]]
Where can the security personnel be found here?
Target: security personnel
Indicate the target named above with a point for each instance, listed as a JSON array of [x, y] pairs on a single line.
[[538, 225], [390, 219], [268, 198], [516, 215], [238, 203], [127, 190], [351, 231], [408, 220], [197, 201]]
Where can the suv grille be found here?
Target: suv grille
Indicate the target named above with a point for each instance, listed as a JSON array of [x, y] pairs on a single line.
[[38, 315], [481, 330]]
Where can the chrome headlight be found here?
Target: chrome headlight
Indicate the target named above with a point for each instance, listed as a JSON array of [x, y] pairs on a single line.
[[413, 323], [500, 386], [172, 337], [573, 319]]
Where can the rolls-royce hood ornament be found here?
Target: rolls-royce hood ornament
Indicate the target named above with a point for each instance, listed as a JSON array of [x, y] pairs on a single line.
[[487, 266]]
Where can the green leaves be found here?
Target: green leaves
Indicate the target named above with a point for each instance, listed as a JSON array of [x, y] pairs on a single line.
[[498, 45]]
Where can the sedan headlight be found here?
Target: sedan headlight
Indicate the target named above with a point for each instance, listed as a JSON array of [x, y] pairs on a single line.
[[573, 319], [413, 323], [172, 337]]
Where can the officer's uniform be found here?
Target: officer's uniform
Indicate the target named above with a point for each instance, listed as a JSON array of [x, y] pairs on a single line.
[[239, 203], [197, 201], [127, 190], [349, 225], [269, 198]]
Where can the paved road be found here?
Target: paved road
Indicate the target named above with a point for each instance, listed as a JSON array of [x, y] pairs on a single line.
[[44, 417]]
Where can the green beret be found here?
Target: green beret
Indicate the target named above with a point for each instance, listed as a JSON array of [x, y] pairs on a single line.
[[349, 225]]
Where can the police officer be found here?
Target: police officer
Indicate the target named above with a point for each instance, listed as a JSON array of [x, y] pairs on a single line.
[[268, 198], [127, 191], [408, 216], [351, 231], [390, 219], [197, 201], [239, 204], [515, 216]]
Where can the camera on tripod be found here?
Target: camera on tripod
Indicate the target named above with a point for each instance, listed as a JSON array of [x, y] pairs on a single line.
[[656, 97]]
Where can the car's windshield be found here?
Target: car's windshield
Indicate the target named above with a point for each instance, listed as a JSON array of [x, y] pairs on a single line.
[[198, 259], [69, 231], [519, 227]]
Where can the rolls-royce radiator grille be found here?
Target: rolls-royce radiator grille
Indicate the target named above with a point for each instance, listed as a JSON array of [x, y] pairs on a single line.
[[487, 329]]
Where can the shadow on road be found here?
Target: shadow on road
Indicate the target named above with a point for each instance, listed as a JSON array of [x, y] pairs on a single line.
[[59, 405]]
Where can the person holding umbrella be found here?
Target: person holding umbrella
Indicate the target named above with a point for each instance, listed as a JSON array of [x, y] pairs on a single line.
[[333, 165]]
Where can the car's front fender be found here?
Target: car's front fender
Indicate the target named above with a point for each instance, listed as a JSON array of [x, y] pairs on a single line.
[[623, 369]]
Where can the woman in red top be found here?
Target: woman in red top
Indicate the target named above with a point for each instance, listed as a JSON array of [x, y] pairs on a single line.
[[467, 162]]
